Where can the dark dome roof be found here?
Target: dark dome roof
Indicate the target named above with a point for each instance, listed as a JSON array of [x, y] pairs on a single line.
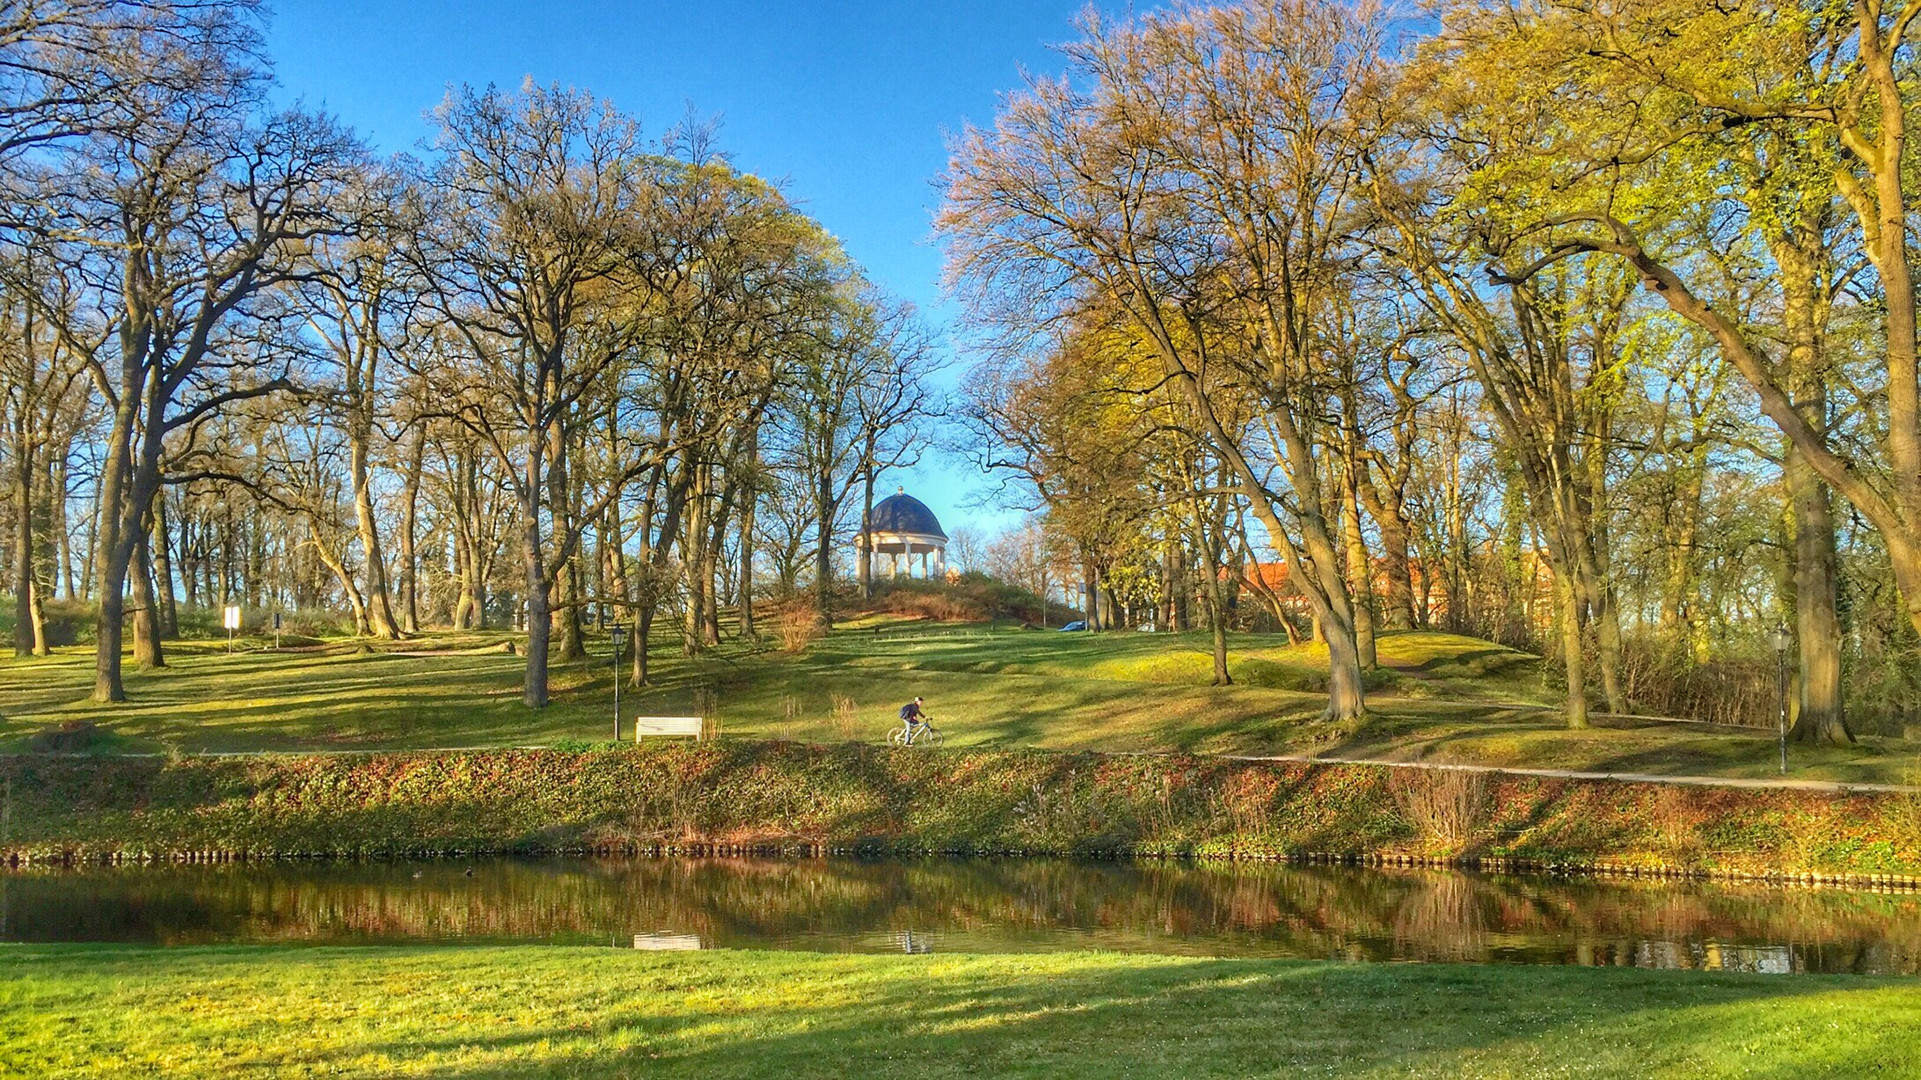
[[903, 513]]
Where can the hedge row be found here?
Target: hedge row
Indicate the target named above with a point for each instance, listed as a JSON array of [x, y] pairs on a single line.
[[856, 797]]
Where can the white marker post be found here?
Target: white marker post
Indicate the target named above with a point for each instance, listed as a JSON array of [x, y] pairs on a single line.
[[232, 621]]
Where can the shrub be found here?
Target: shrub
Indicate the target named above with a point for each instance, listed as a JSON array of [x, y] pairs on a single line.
[[798, 626], [1444, 806], [67, 622], [846, 718], [71, 737]]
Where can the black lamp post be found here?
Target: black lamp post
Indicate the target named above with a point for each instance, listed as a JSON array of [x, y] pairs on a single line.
[[619, 635], [1781, 640]]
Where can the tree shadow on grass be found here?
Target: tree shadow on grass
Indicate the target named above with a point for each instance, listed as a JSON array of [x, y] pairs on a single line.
[[992, 1016]]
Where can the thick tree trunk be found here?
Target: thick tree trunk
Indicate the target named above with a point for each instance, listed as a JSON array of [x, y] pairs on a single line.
[[112, 547], [1819, 716], [1817, 625]]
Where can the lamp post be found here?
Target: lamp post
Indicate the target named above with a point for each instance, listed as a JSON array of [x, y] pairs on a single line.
[[619, 635], [1781, 640]]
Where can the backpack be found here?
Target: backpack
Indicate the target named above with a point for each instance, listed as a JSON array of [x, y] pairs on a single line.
[[907, 711]]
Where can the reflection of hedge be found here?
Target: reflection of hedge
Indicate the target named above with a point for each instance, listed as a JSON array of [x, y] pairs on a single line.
[[756, 794]]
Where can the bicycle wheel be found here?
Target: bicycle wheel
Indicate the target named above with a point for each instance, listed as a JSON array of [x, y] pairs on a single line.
[[931, 737], [898, 736]]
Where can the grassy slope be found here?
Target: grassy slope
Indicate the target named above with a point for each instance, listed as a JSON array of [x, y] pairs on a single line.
[[500, 1011], [1443, 698]]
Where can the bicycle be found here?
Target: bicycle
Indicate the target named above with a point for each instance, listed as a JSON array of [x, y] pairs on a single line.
[[922, 734]]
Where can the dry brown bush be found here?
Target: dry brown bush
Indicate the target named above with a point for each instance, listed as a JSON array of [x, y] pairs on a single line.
[[1444, 806], [798, 626], [846, 718]]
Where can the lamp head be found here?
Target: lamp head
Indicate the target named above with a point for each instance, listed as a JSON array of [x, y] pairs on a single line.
[[1780, 639]]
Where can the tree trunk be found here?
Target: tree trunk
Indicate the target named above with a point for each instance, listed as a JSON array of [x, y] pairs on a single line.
[[643, 626], [1386, 504], [38, 613], [745, 617], [572, 646], [1360, 575], [1568, 594], [865, 571], [409, 532], [1817, 625], [824, 555], [163, 569], [380, 612], [23, 628], [147, 651], [1820, 716], [348, 586], [538, 606], [112, 547]]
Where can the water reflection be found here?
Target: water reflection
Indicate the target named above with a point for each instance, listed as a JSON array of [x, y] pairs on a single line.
[[980, 905]]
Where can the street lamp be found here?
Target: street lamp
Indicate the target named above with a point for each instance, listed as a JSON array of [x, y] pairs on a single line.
[[619, 635], [1781, 641]]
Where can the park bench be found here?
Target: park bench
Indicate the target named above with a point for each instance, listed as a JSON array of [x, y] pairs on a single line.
[[668, 725]]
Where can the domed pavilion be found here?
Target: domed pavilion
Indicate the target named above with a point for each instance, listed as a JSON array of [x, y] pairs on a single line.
[[903, 529]]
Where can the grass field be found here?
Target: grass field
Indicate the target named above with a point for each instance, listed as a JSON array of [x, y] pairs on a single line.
[[99, 1011], [1439, 697]]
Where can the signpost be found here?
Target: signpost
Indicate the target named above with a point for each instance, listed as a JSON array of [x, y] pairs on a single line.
[[276, 631], [232, 622]]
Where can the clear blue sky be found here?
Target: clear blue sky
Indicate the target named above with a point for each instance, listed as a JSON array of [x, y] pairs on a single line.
[[847, 103]]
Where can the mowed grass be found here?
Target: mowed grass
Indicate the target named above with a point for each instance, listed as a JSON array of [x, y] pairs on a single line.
[[109, 1011], [1438, 697]]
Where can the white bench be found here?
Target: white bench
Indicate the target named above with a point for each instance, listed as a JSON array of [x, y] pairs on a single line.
[[669, 725]]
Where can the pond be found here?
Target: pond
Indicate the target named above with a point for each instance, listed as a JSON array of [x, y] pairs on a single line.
[[979, 905]]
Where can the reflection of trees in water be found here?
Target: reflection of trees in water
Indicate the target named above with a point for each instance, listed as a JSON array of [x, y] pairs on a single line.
[[1164, 906]]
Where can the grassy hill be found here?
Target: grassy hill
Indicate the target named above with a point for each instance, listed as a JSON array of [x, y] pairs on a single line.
[[1437, 697]]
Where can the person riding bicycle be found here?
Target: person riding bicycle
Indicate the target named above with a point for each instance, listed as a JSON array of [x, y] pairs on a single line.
[[915, 719]]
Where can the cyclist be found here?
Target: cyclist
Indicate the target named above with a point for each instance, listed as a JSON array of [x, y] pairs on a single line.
[[912, 715]]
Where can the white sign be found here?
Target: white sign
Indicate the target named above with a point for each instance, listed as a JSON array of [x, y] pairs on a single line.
[[233, 618]]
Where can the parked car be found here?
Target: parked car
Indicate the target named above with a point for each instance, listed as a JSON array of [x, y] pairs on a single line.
[[1075, 625]]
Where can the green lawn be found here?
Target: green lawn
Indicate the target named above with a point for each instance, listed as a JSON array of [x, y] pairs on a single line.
[[97, 1011], [1439, 697]]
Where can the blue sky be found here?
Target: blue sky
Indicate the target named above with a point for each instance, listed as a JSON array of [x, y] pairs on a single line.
[[847, 103]]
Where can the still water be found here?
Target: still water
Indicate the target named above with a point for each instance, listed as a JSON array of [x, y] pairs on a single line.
[[979, 906]]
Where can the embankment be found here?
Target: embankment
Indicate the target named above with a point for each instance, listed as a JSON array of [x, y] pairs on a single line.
[[759, 796]]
